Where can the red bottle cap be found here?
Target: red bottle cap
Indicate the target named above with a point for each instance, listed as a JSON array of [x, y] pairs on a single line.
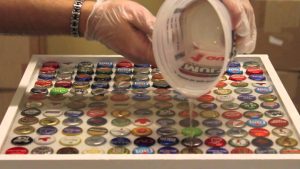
[[206, 98], [259, 132], [253, 71], [186, 114], [278, 122], [232, 115], [17, 150], [241, 150], [237, 77], [125, 64], [215, 141], [221, 84], [47, 70], [142, 122], [43, 83], [52, 64], [96, 113], [63, 83]]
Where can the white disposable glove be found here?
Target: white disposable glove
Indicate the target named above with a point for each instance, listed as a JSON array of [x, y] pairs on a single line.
[[123, 26], [243, 20]]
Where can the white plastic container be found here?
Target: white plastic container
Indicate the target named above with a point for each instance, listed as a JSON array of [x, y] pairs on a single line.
[[192, 43]]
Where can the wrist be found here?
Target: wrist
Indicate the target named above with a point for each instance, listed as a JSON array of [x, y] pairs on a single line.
[[86, 10]]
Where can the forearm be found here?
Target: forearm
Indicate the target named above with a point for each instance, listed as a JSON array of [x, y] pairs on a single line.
[[40, 17]]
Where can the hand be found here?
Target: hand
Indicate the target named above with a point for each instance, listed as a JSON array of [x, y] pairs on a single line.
[[123, 26], [243, 21]]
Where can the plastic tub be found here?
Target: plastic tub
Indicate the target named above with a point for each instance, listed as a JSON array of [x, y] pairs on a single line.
[[192, 43]]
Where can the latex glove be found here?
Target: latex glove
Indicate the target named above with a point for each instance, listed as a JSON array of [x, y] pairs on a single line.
[[123, 26], [243, 20]]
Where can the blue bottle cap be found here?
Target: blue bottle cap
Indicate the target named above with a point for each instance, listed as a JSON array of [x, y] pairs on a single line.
[[47, 130], [234, 64], [217, 150], [168, 140], [141, 97], [126, 71], [103, 85], [44, 76], [72, 130], [234, 70], [257, 77], [140, 85], [105, 64], [207, 106], [264, 90], [120, 141], [256, 123], [168, 150], [143, 150], [74, 113], [247, 97], [83, 78], [144, 65]]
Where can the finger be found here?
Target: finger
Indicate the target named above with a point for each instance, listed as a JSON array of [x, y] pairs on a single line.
[[140, 17], [247, 43], [235, 9], [239, 18], [133, 44], [253, 31]]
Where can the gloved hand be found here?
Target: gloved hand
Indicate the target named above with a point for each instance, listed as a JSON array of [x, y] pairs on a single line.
[[243, 21], [123, 26]]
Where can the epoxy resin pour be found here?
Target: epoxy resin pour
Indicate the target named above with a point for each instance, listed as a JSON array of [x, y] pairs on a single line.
[[192, 44]]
